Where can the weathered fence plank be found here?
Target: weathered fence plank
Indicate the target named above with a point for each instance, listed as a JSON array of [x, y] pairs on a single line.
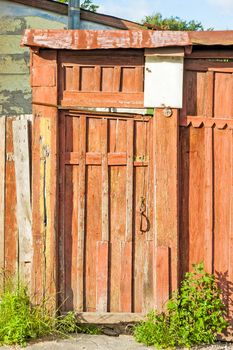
[[23, 192], [2, 194], [81, 214]]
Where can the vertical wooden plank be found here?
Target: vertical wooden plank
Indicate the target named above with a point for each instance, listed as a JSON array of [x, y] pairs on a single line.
[[117, 79], [23, 192], [126, 246], [166, 158], [104, 150], [129, 181], [2, 195], [81, 214], [209, 109], [62, 179], [162, 276], [11, 229], [97, 78], [230, 263], [149, 266], [102, 247], [102, 276], [139, 71], [76, 78]]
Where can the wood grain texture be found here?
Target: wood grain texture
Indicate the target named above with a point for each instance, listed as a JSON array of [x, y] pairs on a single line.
[[2, 194], [162, 276], [102, 276], [81, 214], [103, 39], [11, 229], [23, 190], [166, 158]]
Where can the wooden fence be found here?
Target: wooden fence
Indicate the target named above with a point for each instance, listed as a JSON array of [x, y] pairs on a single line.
[[122, 204], [15, 196]]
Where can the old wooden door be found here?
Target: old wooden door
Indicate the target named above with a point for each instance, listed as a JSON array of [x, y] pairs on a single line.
[[106, 212]]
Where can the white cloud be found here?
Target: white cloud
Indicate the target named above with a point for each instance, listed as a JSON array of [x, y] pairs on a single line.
[[133, 10], [223, 5]]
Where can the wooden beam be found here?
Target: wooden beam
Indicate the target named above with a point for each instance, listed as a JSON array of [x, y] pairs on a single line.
[[81, 214], [103, 245], [126, 246], [103, 39], [2, 195], [162, 275], [209, 176], [109, 317], [23, 192], [167, 188]]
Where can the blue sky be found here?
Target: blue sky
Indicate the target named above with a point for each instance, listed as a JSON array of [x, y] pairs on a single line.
[[211, 13]]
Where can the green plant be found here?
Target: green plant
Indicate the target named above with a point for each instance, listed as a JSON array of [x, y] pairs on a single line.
[[194, 315], [21, 321], [172, 23]]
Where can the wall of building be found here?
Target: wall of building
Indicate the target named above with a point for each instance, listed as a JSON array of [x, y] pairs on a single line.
[[15, 91]]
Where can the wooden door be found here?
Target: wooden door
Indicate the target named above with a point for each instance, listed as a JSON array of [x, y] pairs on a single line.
[[106, 247]]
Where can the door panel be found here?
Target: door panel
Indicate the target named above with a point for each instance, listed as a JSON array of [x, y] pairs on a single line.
[[106, 213]]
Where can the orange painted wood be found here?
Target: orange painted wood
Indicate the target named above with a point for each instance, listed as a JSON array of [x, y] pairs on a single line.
[[37, 269], [11, 230], [62, 217], [223, 104], [2, 194], [162, 276], [102, 99], [126, 246], [209, 201], [105, 191], [81, 213], [129, 181], [149, 276], [91, 39], [126, 277], [102, 276], [102, 247], [196, 200], [167, 212]]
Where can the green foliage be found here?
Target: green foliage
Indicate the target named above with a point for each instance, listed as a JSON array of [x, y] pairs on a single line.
[[194, 315], [21, 321], [172, 23], [86, 5]]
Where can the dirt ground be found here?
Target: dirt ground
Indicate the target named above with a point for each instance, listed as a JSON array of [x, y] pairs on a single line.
[[103, 342]]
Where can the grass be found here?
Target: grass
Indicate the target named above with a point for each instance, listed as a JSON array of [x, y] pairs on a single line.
[[20, 321]]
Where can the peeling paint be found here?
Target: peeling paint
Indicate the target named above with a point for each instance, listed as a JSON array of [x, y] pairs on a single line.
[[15, 64], [12, 25], [15, 18], [17, 102]]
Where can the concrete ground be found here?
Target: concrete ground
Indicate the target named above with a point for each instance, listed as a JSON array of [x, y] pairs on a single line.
[[102, 342]]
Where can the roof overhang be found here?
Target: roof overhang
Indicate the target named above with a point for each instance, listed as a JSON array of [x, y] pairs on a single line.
[[116, 39]]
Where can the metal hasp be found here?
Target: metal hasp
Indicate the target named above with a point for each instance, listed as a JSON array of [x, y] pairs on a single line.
[[74, 14]]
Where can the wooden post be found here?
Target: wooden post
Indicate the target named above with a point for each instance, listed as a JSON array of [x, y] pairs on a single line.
[[166, 215], [103, 245], [126, 245], [2, 195], [81, 213], [45, 176], [23, 192]]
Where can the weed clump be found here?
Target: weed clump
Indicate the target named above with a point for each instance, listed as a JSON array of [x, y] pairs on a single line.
[[194, 315], [21, 321]]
